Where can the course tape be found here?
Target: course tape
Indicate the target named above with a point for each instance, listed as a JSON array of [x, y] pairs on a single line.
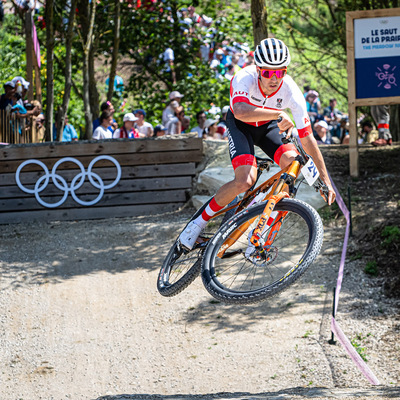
[[345, 342]]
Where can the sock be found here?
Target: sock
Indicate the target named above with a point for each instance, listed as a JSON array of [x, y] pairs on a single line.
[[211, 209]]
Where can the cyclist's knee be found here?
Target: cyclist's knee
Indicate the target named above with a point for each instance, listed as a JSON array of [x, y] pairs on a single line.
[[245, 178], [286, 158]]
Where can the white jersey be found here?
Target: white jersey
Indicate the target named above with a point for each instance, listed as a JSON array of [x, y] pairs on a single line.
[[245, 88]]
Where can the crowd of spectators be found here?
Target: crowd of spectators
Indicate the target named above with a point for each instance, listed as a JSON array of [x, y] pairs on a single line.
[[329, 124]]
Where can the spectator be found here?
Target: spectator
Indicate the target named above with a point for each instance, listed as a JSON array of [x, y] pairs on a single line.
[[127, 130], [18, 114], [367, 134], [217, 68], [69, 133], [185, 124], [235, 61], [174, 125], [333, 117], [221, 127], [249, 59], [106, 106], [344, 130], [211, 129], [230, 72], [143, 127], [168, 58], [118, 85], [169, 111], [381, 116], [6, 97], [159, 130], [201, 119], [313, 106], [38, 134], [322, 134], [103, 131]]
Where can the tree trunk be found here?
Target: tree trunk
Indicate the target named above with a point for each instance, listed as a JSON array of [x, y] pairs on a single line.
[[93, 92], [259, 18], [87, 14], [62, 112], [113, 69], [49, 69]]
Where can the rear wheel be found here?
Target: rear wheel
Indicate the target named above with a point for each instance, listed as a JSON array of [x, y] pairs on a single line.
[[180, 267], [242, 274]]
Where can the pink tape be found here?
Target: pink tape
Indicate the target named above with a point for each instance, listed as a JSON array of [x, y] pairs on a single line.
[[358, 361]]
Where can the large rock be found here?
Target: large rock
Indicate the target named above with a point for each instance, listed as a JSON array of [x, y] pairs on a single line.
[[217, 170]]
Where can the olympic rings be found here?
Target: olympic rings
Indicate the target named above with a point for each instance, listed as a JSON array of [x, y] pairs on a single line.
[[61, 184]]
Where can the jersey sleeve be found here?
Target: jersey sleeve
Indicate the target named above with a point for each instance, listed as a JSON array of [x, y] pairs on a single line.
[[298, 108], [240, 85]]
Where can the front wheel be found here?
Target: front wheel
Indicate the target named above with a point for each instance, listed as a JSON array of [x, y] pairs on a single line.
[[242, 274]]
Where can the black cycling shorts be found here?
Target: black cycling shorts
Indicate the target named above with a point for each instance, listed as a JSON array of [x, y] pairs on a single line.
[[242, 137]]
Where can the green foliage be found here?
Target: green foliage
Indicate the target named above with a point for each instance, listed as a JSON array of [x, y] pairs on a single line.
[[371, 268], [356, 342], [391, 233], [12, 49]]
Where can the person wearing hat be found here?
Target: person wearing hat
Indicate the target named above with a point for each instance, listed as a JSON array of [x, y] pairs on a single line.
[[143, 127], [159, 130], [313, 105], [127, 130], [322, 134], [211, 130], [169, 111], [6, 97], [222, 128], [174, 125]]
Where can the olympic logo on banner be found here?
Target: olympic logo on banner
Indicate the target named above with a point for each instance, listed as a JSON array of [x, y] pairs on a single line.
[[62, 184]]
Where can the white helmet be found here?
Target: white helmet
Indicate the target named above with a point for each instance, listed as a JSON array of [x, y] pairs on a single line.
[[272, 53]]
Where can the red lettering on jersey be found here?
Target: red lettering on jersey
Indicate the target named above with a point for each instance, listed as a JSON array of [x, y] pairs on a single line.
[[239, 92], [306, 121]]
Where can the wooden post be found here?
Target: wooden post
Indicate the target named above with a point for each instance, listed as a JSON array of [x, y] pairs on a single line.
[[353, 137]]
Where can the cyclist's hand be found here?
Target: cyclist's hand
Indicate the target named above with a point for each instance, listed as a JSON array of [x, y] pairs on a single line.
[[285, 124], [331, 195]]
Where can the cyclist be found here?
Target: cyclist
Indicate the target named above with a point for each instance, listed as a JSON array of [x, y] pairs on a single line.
[[258, 94]]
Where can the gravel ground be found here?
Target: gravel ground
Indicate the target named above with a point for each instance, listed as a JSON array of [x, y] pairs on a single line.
[[82, 319]]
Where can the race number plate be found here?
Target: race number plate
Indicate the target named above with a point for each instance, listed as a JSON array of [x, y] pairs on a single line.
[[310, 172]]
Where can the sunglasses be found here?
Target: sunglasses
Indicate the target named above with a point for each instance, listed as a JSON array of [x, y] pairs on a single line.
[[269, 73]]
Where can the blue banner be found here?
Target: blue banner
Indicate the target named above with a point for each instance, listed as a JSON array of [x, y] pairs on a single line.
[[377, 77]]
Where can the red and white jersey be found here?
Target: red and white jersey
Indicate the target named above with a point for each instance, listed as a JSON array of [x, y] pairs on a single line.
[[245, 88]]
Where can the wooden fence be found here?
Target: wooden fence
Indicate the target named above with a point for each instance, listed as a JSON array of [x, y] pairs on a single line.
[[89, 180], [14, 130]]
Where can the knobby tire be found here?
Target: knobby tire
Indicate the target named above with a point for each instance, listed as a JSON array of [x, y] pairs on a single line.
[[240, 277]]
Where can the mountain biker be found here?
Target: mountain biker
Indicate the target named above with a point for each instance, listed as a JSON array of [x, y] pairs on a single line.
[[258, 95]]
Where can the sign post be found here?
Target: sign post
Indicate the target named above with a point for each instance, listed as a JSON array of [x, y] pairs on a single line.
[[373, 65]]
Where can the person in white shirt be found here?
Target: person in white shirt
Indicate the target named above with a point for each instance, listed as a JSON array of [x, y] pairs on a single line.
[[174, 125], [143, 127], [102, 131], [169, 111], [201, 119]]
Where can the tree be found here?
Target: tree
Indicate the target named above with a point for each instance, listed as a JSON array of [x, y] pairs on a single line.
[[50, 69], [259, 18], [87, 13], [114, 59], [62, 112]]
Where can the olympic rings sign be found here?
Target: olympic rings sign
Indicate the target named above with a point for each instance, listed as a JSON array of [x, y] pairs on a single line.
[[62, 184]]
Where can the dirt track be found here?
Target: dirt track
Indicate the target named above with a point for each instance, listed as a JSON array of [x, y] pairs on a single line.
[[82, 319]]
